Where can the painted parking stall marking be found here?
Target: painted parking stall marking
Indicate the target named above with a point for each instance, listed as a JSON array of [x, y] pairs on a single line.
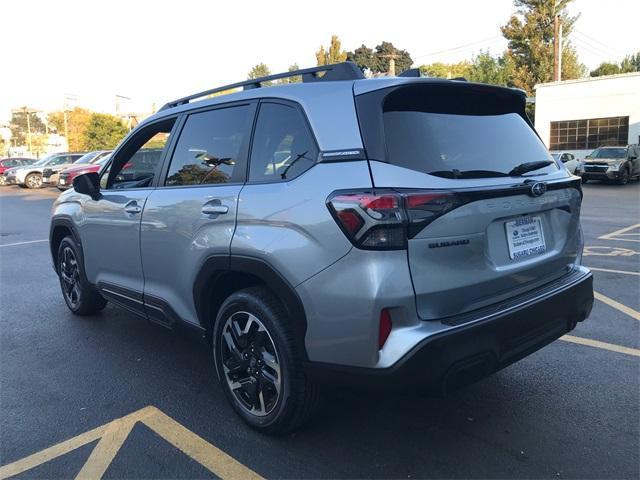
[[627, 234], [113, 435], [602, 345], [24, 243]]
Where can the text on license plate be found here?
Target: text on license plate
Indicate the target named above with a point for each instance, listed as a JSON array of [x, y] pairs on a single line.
[[525, 237]]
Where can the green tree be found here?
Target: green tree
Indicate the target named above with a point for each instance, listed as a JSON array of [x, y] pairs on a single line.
[[365, 58], [258, 71], [530, 35], [403, 59], [485, 68], [21, 121], [334, 54], [605, 68], [295, 79], [377, 60], [104, 132], [77, 123], [446, 70], [630, 63]]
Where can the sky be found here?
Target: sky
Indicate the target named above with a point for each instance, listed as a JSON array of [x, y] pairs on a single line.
[[155, 51]]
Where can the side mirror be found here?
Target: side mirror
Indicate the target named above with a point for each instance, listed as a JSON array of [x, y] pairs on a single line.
[[88, 184], [633, 157], [588, 156]]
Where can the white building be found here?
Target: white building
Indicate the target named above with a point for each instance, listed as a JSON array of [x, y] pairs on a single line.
[[581, 115]]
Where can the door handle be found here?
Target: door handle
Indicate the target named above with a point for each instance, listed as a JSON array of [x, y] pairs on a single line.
[[132, 207], [209, 209]]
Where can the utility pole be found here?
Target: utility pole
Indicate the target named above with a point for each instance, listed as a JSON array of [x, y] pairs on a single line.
[[392, 63], [557, 49], [65, 108], [27, 112]]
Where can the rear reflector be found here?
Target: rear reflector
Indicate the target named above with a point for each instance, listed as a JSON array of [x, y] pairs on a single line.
[[385, 220], [385, 327]]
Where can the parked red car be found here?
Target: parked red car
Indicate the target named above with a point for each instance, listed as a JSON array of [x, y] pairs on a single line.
[[7, 163], [65, 179]]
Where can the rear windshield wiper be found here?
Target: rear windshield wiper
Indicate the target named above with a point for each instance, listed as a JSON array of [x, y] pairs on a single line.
[[467, 173], [529, 167]]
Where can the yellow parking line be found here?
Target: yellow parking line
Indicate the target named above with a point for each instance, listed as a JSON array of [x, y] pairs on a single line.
[[618, 306], [199, 449], [603, 345], [113, 435], [622, 231], [106, 449], [608, 270], [50, 453]]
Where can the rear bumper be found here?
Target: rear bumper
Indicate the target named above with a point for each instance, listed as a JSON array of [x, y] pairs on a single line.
[[52, 179], [479, 347]]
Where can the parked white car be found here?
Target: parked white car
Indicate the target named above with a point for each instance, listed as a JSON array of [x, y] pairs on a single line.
[[569, 160]]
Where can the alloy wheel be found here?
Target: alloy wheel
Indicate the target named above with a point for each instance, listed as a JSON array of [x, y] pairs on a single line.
[[34, 181], [624, 179], [251, 364], [70, 277]]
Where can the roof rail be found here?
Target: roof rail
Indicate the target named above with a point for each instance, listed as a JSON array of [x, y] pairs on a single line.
[[332, 73]]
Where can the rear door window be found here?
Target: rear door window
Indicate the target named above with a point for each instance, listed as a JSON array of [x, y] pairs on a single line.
[[283, 147], [208, 150]]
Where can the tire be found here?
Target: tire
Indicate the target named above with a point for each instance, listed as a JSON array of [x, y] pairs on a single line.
[[624, 177], [260, 368], [79, 295], [33, 180]]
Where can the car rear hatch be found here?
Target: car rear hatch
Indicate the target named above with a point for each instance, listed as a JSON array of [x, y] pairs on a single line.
[[489, 215]]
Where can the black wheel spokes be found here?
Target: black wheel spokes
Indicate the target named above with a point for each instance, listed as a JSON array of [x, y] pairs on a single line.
[[251, 365], [70, 276]]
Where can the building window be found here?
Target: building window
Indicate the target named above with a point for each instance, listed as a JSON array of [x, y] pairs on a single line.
[[589, 134]]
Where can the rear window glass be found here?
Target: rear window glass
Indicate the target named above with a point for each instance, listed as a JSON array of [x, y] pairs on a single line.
[[462, 146], [452, 130]]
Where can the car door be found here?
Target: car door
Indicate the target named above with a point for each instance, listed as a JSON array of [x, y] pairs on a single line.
[[191, 215], [110, 227]]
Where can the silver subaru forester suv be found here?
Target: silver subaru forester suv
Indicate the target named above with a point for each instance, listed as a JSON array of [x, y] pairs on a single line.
[[398, 231]]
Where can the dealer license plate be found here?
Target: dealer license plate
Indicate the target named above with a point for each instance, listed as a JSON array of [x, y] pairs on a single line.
[[525, 237]]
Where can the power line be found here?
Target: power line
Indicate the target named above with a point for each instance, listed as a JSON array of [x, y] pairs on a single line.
[[461, 47], [596, 41], [598, 53]]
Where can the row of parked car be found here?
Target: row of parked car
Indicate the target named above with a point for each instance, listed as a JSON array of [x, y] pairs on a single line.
[[610, 163], [619, 164], [58, 169]]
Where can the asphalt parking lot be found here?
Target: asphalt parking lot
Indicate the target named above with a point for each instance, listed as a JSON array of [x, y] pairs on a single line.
[[117, 397]]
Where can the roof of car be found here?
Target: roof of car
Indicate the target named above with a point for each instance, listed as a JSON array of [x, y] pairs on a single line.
[[328, 103]]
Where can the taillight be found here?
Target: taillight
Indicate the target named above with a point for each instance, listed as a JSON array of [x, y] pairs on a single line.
[[371, 220], [385, 220]]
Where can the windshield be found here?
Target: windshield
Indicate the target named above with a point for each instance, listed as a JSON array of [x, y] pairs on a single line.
[[464, 146], [609, 153], [44, 161], [87, 158]]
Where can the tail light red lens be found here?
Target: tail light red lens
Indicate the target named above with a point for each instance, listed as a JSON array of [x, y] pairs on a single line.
[[385, 220], [385, 327]]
